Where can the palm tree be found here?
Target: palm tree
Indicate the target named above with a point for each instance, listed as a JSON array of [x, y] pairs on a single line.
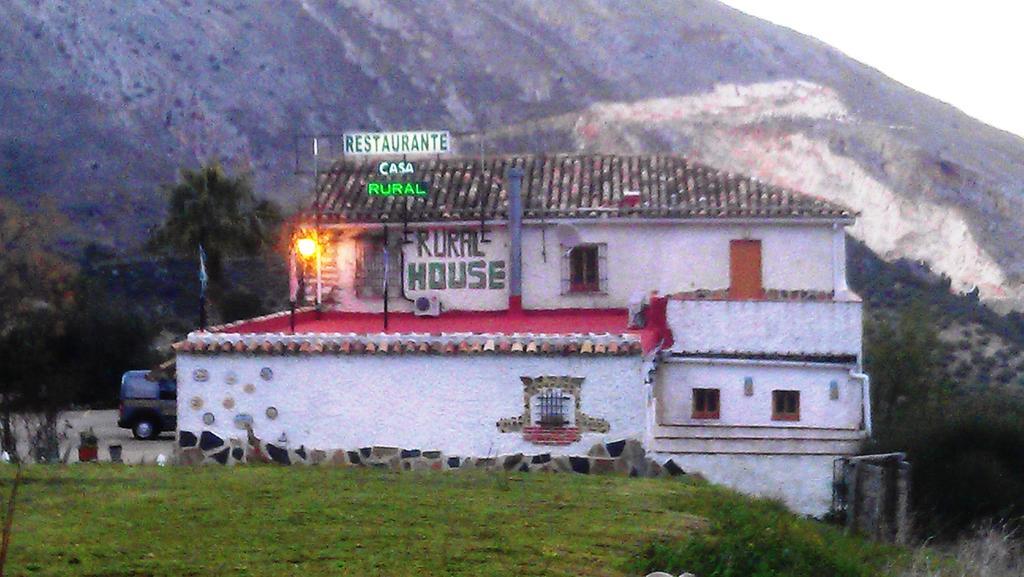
[[212, 209]]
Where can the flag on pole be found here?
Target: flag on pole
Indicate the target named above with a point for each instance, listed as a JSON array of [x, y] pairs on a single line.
[[203, 277], [203, 281]]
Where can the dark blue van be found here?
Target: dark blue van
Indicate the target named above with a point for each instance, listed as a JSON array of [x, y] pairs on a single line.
[[148, 407]]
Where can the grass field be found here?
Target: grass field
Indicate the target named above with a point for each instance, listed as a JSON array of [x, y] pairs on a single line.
[[255, 520]]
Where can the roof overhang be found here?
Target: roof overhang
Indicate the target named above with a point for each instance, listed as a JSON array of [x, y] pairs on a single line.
[[632, 221]]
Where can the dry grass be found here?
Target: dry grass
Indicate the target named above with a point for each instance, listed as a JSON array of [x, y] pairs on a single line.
[[991, 551]]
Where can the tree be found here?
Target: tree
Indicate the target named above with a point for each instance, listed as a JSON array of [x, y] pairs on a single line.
[[62, 340], [36, 293], [99, 363], [210, 208], [904, 361], [32, 273]]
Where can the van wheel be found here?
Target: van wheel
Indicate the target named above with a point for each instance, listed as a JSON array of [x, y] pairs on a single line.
[[145, 430]]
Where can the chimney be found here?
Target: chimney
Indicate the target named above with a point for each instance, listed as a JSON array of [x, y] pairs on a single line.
[[657, 321], [630, 198], [514, 178]]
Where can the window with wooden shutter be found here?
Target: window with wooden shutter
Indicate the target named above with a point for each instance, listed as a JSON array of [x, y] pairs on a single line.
[[705, 403], [745, 270], [785, 405]]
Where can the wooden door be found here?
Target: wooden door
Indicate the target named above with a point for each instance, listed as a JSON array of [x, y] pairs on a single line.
[[745, 270]]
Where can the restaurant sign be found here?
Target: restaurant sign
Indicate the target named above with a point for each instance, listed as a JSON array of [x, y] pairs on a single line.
[[452, 258], [413, 142]]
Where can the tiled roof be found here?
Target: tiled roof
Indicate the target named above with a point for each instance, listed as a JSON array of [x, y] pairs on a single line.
[[769, 295], [836, 358], [566, 186], [443, 344]]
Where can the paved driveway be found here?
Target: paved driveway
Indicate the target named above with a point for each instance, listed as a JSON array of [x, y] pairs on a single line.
[[104, 424]]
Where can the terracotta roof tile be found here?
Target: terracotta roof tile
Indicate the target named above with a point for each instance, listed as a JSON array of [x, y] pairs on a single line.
[[451, 344], [568, 186]]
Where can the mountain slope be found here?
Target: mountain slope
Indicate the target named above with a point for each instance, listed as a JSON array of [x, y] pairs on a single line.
[[99, 104]]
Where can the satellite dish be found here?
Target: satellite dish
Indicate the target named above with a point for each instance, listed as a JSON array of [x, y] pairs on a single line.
[[567, 234]]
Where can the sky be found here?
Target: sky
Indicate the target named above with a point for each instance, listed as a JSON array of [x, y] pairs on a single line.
[[968, 53]]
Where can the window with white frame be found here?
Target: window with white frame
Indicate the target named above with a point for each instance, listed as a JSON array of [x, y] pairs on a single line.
[[585, 269]]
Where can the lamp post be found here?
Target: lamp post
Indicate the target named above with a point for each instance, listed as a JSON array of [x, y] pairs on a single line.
[[306, 247]]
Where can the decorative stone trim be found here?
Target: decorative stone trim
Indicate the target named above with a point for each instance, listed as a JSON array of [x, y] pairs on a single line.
[[552, 435], [560, 435], [281, 344], [625, 457]]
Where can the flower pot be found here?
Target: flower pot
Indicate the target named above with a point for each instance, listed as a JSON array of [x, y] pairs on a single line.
[[115, 453], [88, 454]]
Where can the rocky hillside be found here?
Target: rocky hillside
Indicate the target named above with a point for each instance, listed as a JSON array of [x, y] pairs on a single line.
[[100, 103]]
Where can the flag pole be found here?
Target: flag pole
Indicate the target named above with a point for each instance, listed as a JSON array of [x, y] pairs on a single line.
[[386, 274], [318, 209], [293, 285], [203, 279]]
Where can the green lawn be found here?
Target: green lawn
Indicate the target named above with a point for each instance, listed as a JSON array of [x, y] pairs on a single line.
[[266, 520]]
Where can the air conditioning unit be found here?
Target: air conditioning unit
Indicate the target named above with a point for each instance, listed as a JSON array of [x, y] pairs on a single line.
[[427, 306]]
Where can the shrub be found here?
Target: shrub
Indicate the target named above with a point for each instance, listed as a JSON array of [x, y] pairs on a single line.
[[961, 370], [758, 539], [968, 463]]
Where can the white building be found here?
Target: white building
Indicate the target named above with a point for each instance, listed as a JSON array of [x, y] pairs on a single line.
[[745, 367]]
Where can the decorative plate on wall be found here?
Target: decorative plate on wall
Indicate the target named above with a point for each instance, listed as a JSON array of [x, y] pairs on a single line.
[[229, 403], [243, 421], [208, 418], [266, 373], [200, 375], [196, 403], [231, 378], [249, 388], [271, 413]]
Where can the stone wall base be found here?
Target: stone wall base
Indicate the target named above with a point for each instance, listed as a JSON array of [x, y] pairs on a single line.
[[626, 457]]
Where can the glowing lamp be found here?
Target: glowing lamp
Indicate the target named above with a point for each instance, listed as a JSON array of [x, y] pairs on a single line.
[[306, 247]]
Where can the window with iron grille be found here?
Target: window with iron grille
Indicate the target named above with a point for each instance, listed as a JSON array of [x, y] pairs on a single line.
[[705, 403], [369, 274], [785, 405], [584, 269], [553, 408]]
